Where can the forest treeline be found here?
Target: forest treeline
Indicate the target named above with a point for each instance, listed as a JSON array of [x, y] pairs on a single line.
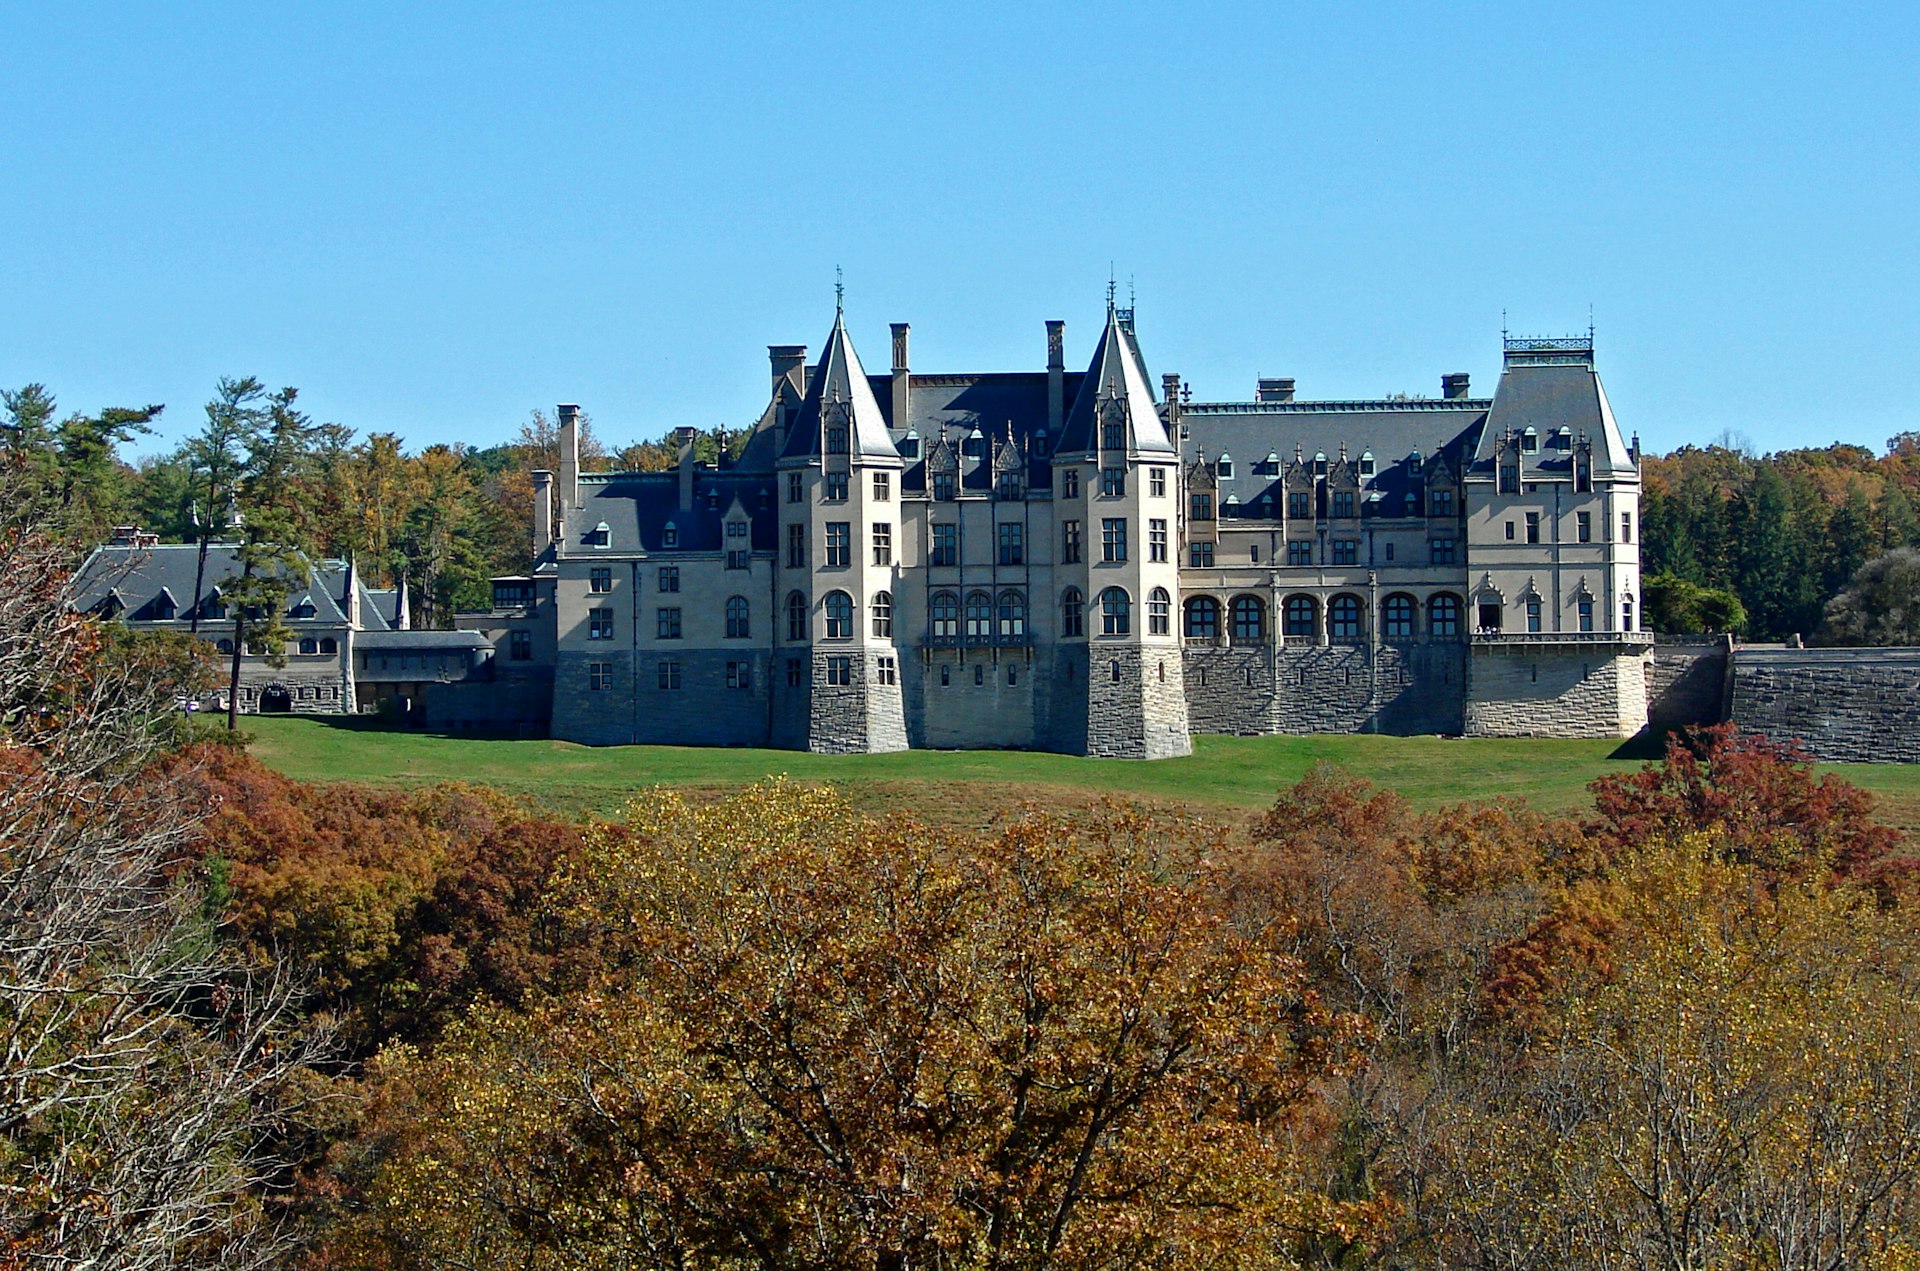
[[252, 1022], [1760, 546]]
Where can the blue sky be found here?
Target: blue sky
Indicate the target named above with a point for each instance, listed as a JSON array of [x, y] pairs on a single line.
[[434, 218]]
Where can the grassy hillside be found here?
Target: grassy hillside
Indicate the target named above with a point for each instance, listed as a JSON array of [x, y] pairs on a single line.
[[1224, 775]]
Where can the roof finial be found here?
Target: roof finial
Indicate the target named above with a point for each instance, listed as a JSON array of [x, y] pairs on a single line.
[[1503, 325], [839, 293], [1130, 304], [1112, 285]]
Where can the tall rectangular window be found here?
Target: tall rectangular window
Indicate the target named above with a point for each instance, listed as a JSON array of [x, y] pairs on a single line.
[[669, 578], [1441, 550], [1069, 542], [1533, 527], [796, 488], [1626, 531], [1343, 503], [1157, 482], [1300, 505], [840, 670], [599, 624], [946, 545], [667, 623], [886, 670], [1200, 555], [1201, 507], [943, 486], [1070, 483], [1583, 524], [883, 542], [1113, 482], [882, 487], [520, 646], [600, 579], [1012, 542], [1299, 551], [1113, 539], [739, 675], [1346, 551], [834, 487], [1585, 609], [1440, 502], [839, 544], [667, 675], [1157, 539], [796, 547], [599, 676]]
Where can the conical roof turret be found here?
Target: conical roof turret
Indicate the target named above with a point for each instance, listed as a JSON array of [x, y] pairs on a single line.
[[840, 392], [1116, 383]]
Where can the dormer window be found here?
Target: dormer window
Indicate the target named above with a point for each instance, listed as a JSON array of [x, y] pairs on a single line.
[[164, 609], [1320, 463], [1223, 467], [1007, 487], [303, 610], [1230, 506], [910, 445], [1529, 442], [1268, 467], [943, 486], [974, 446], [1366, 463], [600, 536], [670, 536], [836, 440], [1113, 434]]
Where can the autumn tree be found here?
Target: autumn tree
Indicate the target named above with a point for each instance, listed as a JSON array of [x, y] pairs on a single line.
[[1880, 604], [141, 1066], [809, 1040]]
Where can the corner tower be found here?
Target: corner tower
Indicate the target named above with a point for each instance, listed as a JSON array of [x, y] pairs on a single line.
[[838, 485], [1117, 484]]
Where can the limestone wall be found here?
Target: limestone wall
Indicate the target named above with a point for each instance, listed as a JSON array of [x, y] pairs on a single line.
[[1689, 681], [1400, 689], [966, 700], [1842, 705], [1549, 693]]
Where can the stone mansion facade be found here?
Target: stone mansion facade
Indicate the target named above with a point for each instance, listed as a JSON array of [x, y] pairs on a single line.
[[1083, 561]]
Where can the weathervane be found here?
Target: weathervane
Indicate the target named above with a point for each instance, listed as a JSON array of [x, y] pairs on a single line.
[[839, 293]]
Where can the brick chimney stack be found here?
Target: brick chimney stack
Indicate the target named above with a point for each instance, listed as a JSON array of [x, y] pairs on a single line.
[[1056, 377], [1453, 386], [1273, 389], [542, 511], [683, 439], [902, 392]]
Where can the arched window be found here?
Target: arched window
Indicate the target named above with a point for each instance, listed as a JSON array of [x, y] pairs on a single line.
[[1073, 613], [883, 615], [1249, 620], [796, 617], [1396, 617], [1584, 606], [1343, 618], [1299, 617], [1443, 615], [738, 627], [309, 645], [1116, 612], [1159, 612], [1533, 608], [329, 645], [1203, 618], [839, 607], [1013, 614], [943, 612], [225, 646], [979, 615]]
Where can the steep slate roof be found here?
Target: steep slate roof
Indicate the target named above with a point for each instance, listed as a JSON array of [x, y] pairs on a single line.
[[1547, 385], [386, 602], [840, 378], [139, 575], [1247, 432], [1116, 371], [637, 507]]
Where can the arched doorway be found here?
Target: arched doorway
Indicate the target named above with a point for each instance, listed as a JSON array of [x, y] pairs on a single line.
[[275, 700]]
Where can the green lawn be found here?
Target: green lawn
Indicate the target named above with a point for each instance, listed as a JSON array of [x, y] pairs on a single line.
[[1225, 774]]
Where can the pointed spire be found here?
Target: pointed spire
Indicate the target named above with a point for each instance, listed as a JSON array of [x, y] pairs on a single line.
[[1116, 375], [840, 387]]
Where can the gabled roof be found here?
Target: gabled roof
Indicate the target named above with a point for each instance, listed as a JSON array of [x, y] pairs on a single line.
[[140, 575], [841, 383], [1115, 374]]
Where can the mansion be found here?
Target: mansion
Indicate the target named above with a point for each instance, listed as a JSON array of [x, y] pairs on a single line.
[[1080, 561]]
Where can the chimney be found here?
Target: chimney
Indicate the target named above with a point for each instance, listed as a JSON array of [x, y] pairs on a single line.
[[1273, 389], [542, 512], [785, 359], [569, 458], [683, 438], [1170, 398], [1454, 386], [1056, 376], [901, 393]]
